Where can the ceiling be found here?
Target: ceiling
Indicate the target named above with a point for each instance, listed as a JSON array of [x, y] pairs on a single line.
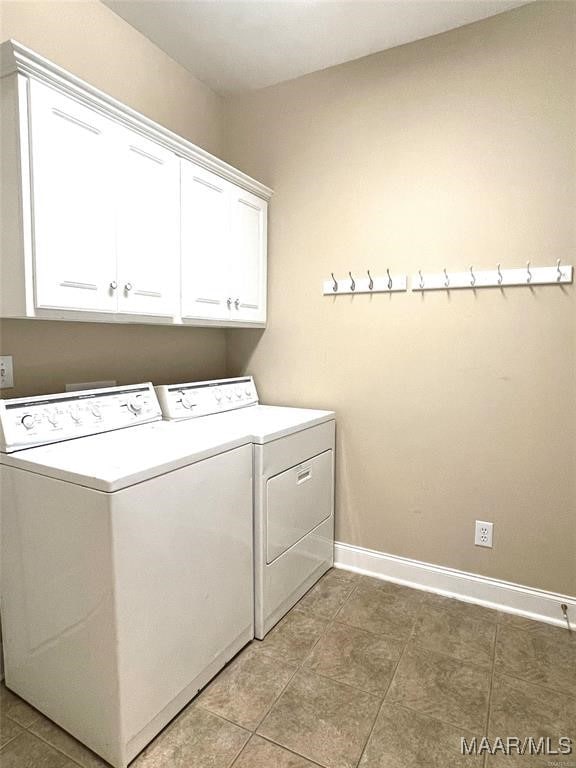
[[240, 45]]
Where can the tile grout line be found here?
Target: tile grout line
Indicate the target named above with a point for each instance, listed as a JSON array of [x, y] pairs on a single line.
[[556, 691], [15, 722], [50, 744], [26, 729], [497, 624], [57, 749], [472, 664], [235, 759], [314, 673], [421, 609], [299, 663], [329, 625], [380, 635], [386, 692], [330, 619], [538, 632], [299, 667], [193, 704], [297, 754], [481, 669], [499, 671], [490, 691], [435, 718], [214, 714], [292, 752], [242, 748]]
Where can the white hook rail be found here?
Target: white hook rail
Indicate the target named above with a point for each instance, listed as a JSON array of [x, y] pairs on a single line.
[[492, 278], [364, 283]]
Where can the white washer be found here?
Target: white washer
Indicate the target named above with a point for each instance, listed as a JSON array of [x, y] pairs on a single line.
[[127, 571], [293, 485]]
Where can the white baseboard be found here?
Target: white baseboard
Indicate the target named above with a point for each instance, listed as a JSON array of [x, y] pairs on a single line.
[[470, 587]]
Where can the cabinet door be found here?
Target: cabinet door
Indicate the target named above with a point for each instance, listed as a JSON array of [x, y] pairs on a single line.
[[248, 256], [205, 233], [148, 221], [73, 209]]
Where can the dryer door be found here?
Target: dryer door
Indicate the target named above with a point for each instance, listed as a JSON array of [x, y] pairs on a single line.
[[298, 500]]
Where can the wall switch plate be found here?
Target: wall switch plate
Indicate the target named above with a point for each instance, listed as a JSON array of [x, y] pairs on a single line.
[[6, 372], [483, 534]]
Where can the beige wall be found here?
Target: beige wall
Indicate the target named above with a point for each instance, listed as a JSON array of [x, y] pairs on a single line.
[[50, 354], [456, 150], [92, 42], [88, 39]]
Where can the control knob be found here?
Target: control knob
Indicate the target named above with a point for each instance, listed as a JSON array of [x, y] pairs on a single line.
[[188, 401], [27, 421], [218, 395], [75, 414], [52, 417], [135, 404], [95, 409]]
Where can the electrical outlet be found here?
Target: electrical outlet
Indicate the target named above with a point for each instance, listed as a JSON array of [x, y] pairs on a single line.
[[6, 372], [483, 534]]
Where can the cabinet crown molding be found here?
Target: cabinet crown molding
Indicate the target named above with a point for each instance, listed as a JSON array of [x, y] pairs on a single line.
[[15, 58]]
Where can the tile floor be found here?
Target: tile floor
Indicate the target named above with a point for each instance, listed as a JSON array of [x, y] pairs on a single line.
[[361, 673]]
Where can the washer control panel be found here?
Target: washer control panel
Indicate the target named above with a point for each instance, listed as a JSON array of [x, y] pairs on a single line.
[[27, 422], [202, 398]]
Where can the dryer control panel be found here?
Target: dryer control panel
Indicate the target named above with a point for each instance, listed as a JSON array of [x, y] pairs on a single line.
[[202, 398], [27, 422]]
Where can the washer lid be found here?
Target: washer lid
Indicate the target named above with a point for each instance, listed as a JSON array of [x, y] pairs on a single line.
[[115, 460]]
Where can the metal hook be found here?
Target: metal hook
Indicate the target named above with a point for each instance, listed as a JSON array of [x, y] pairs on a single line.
[[335, 286], [500, 276], [559, 271], [421, 280], [370, 281], [389, 279], [352, 283], [529, 275], [472, 276], [447, 281]]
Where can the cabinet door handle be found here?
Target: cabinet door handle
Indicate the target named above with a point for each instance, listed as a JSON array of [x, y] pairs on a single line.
[[74, 284], [237, 303], [113, 285], [128, 287]]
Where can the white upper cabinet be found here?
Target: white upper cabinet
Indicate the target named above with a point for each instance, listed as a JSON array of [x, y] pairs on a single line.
[[205, 233], [148, 226], [248, 230], [223, 249], [73, 222], [107, 216]]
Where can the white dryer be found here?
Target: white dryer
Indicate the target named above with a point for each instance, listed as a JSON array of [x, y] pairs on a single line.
[[127, 564], [293, 485]]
